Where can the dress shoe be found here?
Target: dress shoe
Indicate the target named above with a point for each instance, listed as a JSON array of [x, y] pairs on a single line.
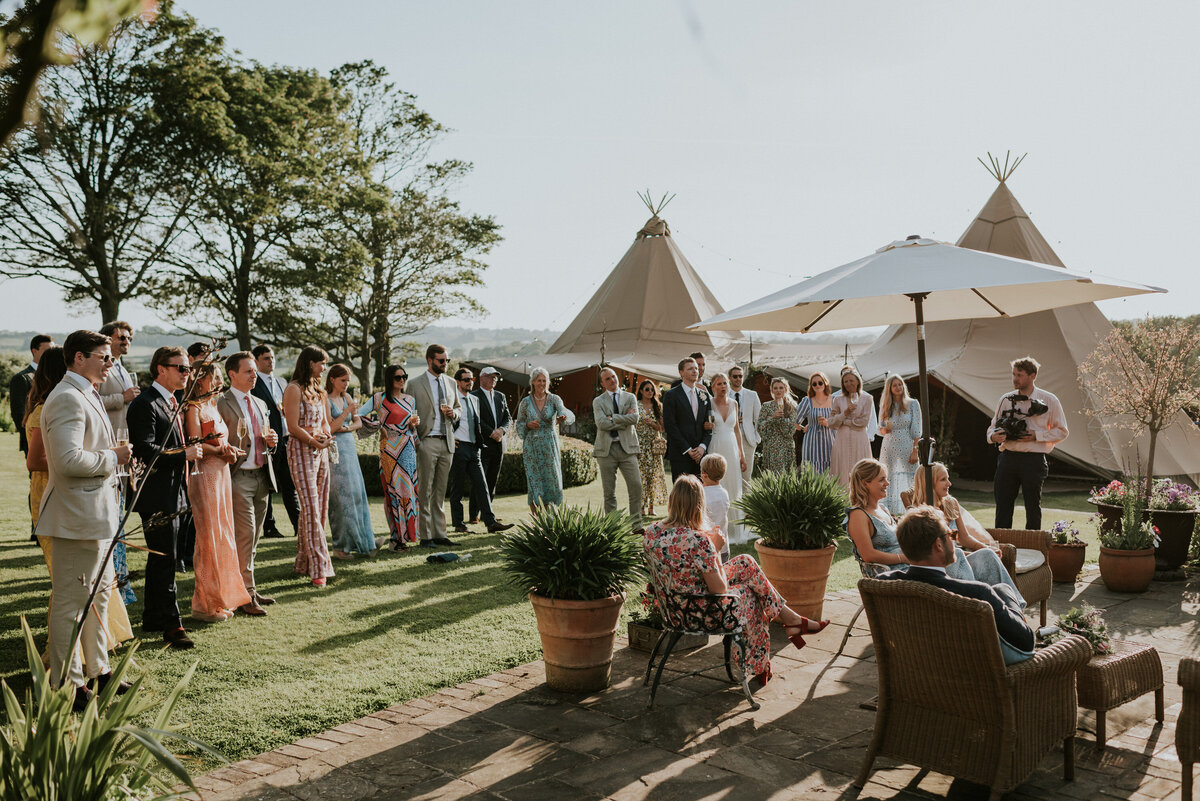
[[430, 543], [104, 678], [263, 600], [82, 696], [344, 556], [498, 526], [396, 547], [252, 609], [442, 542], [459, 528], [272, 533], [178, 639], [319, 583]]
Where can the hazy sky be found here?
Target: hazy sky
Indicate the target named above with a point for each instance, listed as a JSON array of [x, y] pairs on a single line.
[[797, 136]]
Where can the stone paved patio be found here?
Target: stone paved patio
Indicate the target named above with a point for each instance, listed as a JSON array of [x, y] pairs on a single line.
[[507, 737]]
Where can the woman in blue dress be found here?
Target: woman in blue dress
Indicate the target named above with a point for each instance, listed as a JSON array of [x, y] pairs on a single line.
[[349, 510], [538, 417], [900, 424], [818, 439]]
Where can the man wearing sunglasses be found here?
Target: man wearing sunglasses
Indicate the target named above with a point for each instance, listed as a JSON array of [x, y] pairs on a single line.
[[438, 407], [155, 430]]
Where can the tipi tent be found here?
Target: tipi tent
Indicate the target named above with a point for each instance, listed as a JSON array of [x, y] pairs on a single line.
[[971, 357]]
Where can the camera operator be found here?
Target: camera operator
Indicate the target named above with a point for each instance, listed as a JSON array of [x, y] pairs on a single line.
[[1028, 423]]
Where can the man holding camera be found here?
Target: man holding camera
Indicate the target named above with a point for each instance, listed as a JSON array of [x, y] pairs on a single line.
[[1027, 425]]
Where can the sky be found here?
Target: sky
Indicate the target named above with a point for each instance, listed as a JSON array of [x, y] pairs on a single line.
[[795, 136]]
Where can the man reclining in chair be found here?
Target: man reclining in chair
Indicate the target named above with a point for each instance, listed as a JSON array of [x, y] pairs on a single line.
[[926, 542]]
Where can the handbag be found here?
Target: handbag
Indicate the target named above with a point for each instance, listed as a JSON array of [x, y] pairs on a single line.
[[659, 446]]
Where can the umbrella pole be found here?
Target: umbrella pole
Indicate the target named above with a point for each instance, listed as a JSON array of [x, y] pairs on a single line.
[[925, 446]]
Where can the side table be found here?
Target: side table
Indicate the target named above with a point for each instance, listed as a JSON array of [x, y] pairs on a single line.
[[1107, 681]]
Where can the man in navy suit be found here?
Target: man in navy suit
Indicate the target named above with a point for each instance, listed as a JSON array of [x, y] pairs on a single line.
[[685, 418], [465, 466], [269, 389], [494, 419], [925, 540]]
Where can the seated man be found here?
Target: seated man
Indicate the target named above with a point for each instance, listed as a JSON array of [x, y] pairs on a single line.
[[926, 544]]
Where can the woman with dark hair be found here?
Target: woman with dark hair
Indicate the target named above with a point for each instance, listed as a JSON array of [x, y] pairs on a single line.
[[817, 405], [398, 421], [309, 440], [652, 445], [687, 562], [349, 510]]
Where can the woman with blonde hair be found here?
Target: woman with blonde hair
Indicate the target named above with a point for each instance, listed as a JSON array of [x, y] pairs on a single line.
[[687, 562], [539, 414], [852, 412], [815, 406], [971, 535], [309, 440], [777, 427], [349, 509], [900, 424]]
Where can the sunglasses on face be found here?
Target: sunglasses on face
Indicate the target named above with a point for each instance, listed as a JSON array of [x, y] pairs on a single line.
[[399, 378], [183, 368], [442, 360], [108, 359], [817, 384]]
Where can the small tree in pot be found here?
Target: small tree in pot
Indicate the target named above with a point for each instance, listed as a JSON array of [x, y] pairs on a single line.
[[1127, 554], [575, 564], [798, 517]]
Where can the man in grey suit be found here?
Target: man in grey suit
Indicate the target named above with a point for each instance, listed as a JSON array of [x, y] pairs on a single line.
[[438, 408], [616, 413], [80, 511], [253, 472], [119, 389]]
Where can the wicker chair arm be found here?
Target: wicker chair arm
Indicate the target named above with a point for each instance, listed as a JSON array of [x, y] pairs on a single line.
[[1008, 556], [1189, 674], [1022, 538], [1065, 656]]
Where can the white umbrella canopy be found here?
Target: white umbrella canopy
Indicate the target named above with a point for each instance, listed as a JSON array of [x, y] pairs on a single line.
[[957, 283]]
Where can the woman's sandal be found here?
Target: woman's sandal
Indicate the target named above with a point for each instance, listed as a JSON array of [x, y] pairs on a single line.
[[806, 626]]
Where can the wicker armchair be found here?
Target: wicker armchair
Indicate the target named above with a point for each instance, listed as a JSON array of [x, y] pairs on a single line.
[[946, 700], [1187, 730], [695, 613], [1035, 585]]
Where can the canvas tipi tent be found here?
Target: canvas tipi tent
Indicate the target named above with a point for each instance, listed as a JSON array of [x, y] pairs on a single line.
[[971, 357]]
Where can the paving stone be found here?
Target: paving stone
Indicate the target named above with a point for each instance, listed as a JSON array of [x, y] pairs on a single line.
[[316, 743], [354, 728], [371, 722], [547, 790], [336, 736]]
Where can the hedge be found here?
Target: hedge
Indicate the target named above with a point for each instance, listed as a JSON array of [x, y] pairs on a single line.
[[578, 467]]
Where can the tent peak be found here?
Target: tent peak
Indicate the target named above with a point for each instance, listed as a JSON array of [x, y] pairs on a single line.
[[1001, 172], [655, 226]]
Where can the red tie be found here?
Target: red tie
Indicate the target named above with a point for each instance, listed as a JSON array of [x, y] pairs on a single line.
[[256, 433]]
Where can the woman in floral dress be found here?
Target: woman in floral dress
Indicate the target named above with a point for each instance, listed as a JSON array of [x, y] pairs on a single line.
[[397, 455], [308, 446], [649, 431], [777, 427], [686, 561], [818, 439], [538, 416]]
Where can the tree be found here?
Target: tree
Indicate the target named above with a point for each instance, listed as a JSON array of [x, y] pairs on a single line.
[[1144, 376], [86, 192]]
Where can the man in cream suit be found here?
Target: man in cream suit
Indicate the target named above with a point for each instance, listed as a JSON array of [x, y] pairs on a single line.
[[438, 408], [80, 511], [253, 472], [749, 405], [616, 413], [119, 389]]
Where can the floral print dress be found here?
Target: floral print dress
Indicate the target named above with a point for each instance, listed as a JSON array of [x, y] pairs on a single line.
[[543, 462], [778, 442], [654, 478], [681, 556]]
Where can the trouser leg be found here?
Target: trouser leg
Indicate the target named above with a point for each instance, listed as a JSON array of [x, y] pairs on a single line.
[[161, 610], [75, 560], [286, 486], [632, 473], [456, 484], [608, 478], [1004, 488], [1034, 469], [473, 467]]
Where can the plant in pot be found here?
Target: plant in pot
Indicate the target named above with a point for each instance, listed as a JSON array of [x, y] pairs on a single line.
[[646, 626], [1127, 554], [1086, 621], [798, 518], [575, 563], [1173, 509], [1067, 552]]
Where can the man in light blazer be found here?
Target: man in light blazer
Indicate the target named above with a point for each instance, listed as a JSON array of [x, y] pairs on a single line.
[[80, 511], [438, 408], [253, 472], [119, 389], [616, 414], [749, 406]]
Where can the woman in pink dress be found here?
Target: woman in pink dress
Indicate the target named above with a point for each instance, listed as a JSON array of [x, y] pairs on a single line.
[[852, 410], [219, 588], [309, 440]]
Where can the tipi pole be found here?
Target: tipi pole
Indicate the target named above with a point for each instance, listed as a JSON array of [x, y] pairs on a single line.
[[924, 449]]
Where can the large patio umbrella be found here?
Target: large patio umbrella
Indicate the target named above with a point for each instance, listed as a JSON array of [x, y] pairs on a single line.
[[920, 279]]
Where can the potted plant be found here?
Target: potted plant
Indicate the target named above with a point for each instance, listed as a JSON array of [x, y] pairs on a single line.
[[1173, 508], [575, 564], [646, 626], [1087, 622], [1108, 501], [798, 518], [1127, 555], [1067, 552]]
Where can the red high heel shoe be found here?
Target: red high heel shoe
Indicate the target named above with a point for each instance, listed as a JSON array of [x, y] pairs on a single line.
[[806, 626], [763, 678]]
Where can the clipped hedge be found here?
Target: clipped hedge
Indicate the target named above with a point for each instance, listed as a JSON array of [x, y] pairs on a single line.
[[578, 467]]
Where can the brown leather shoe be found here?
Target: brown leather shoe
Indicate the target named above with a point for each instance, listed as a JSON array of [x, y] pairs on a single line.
[[252, 609], [178, 639], [263, 600]]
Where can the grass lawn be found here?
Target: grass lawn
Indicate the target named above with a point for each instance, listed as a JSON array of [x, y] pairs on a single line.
[[385, 630]]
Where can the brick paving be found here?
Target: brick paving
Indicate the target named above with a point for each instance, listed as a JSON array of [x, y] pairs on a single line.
[[506, 736]]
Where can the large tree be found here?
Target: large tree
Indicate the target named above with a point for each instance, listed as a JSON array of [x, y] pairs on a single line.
[[94, 193]]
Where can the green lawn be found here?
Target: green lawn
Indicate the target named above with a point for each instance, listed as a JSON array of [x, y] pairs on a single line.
[[385, 630]]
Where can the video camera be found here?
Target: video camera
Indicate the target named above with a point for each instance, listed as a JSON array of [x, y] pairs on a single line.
[[1012, 421]]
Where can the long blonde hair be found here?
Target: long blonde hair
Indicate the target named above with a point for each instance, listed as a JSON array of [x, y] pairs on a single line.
[[789, 401], [918, 487], [685, 506], [864, 471], [885, 405]]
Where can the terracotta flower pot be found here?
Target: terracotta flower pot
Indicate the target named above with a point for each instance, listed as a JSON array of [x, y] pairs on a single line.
[[1175, 533], [1110, 516], [577, 640], [1126, 571], [800, 576], [1066, 560]]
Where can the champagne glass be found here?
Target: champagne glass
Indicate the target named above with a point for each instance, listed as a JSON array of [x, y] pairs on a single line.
[[242, 432], [122, 437]]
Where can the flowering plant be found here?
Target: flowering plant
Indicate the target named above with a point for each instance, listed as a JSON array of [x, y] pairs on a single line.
[[648, 613], [1166, 495], [1112, 493], [1087, 622], [1137, 537], [1065, 533]]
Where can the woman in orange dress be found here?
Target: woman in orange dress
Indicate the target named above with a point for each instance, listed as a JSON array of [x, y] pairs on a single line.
[[219, 587]]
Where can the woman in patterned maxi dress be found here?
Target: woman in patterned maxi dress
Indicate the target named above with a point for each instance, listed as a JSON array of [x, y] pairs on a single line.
[[649, 430], [900, 424], [818, 439], [538, 416], [309, 440], [397, 455], [777, 427], [687, 562]]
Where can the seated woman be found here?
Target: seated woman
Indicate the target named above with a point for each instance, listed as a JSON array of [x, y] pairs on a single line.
[[968, 531], [685, 558], [872, 529]]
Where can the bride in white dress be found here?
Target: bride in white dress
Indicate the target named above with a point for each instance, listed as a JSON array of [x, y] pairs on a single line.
[[727, 441]]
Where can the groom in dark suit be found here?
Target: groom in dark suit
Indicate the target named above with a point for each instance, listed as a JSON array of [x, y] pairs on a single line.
[[685, 419]]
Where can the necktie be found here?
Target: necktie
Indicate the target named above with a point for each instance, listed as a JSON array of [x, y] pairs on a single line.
[[255, 433], [695, 403], [616, 410], [172, 404], [470, 419]]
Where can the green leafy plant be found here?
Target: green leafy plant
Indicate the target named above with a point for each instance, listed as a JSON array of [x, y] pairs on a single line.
[[795, 510], [1065, 533], [1136, 532], [48, 753], [573, 554], [1087, 622]]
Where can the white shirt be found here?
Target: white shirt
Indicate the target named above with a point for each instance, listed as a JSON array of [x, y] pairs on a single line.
[[465, 431], [252, 446], [166, 393], [434, 383]]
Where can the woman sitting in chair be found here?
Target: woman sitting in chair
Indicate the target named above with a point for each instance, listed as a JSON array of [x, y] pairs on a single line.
[[872, 530], [968, 532], [685, 557]]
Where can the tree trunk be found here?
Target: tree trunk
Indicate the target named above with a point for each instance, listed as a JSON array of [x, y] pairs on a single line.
[[241, 315], [110, 308], [1150, 462]]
